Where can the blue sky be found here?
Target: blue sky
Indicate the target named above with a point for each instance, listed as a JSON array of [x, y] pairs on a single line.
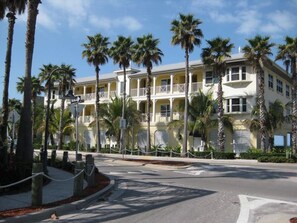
[[62, 26]]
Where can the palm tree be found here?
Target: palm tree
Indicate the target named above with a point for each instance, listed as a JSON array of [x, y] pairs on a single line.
[[37, 89], [24, 154], [274, 120], [288, 53], [146, 54], [111, 115], [96, 52], [187, 34], [215, 55], [256, 52], [13, 7], [201, 116], [66, 80], [201, 112], [121, 52]]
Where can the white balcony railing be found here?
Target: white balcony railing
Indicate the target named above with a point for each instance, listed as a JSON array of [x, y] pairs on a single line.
[[179, 88], [144, 117], [164, 89], [196, 86]]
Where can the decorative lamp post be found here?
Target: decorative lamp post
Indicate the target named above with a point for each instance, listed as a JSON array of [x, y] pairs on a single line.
[[75, 108]]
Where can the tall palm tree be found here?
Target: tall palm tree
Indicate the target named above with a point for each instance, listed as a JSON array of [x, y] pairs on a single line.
[[13, 7], [24, 154], [187, 34], [215, 55], [146, 54], [257, 51], [96, 52], [121, 52], [66, 80], [288, 53], [37, 89]]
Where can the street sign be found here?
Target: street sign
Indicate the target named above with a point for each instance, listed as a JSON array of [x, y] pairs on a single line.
[[13, 116]]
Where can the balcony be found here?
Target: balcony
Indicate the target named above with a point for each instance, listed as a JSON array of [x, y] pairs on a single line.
[[92, 96], [85, 119]]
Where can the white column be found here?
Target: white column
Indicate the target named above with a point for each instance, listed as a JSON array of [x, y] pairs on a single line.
[[137, 104], [85, 90], [154, 85], [171, 84], [171, 109], [83, 115], [108, 90], [154, 110], [138, 87]]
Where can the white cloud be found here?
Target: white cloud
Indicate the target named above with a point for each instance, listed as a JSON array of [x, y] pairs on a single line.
[[126, 22], [223, 18], [283, 19], [249, 22], [45, 20], [209, 3], [75, 11]]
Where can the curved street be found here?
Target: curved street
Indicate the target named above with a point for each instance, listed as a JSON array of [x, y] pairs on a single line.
[[201, 192]]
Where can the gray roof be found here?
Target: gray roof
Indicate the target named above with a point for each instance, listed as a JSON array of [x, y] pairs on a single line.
[[102, 77]]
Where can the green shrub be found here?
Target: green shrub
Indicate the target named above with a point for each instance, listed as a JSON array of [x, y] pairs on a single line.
[[276, 159], [201, 155], [222, 155]]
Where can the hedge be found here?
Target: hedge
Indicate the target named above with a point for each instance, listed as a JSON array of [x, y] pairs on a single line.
[[277, 159]]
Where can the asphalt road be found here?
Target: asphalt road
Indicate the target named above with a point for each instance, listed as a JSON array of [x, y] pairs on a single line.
[[201, 192]]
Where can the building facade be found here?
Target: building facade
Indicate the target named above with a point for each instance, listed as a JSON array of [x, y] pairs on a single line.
[[240, 87]]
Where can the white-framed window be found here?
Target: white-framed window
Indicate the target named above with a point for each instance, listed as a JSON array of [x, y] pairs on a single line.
[[279, 86], [287, 91], [210, 78], [270, 81], [236, 105], [53, 94], [165, 110], [121, 87], [236, 73], [101, 92], [165, 85]]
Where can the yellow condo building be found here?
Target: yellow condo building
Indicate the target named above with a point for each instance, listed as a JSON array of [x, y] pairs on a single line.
[[240, 87]]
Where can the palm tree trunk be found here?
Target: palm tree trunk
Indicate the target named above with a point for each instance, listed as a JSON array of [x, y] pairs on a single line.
[[185, 141], [122, 143], [97, 110], [221, 135], [294, 105], [5, 110], [148, 103], [24, 152], [33, 117], [262, 115]]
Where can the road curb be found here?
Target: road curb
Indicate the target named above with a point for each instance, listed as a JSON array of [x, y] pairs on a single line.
[[62, 209]]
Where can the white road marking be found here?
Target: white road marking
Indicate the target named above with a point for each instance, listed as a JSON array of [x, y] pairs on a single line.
[[256, 202]]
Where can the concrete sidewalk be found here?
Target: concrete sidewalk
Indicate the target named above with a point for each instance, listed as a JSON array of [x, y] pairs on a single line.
[[58, 189]]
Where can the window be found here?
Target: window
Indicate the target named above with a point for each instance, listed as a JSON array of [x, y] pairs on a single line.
[[236, 73], [210, 78], [165, 85], [165, 110], [287, 90], [236, 105], [243, 73], [101, 92], [279, 86], [270, 81], [122, 88]]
